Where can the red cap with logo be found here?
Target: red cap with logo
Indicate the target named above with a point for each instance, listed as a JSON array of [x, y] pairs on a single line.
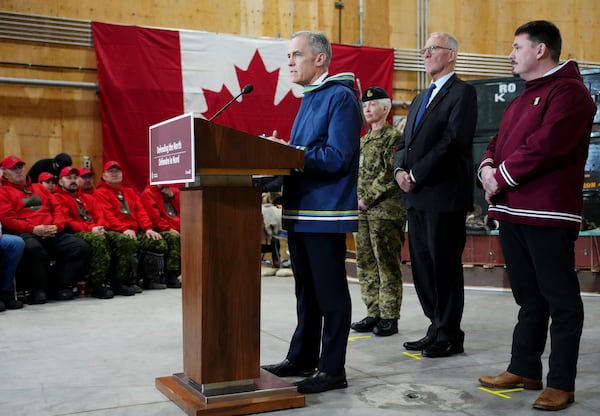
[[9, 162], [67, 170], [85, 171], [46, 176], [112, 164]]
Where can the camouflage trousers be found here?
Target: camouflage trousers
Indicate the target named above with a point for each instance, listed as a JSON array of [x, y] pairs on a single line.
[[158, 258], [99, 263], [378, 259], [169, 246], [112, 253], [124, 251]]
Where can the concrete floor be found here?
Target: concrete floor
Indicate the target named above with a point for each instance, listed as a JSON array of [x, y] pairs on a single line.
[[101, 357]]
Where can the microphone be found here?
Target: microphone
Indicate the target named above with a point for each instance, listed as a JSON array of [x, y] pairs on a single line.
[[248, 88]]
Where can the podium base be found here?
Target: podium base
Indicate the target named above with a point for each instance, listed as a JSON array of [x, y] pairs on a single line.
[[270, 393]]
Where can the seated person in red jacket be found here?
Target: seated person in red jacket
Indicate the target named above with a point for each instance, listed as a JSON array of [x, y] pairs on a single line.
[[85, 181], [162, 205], [87, 222], [48, 180], [124, 213], [30, 211]]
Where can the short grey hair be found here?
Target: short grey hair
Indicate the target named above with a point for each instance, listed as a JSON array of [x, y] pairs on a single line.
[[384, 103], [317, 42], [450, 39]]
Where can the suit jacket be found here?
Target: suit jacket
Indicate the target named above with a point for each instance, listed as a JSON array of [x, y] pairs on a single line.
[[439, 151]]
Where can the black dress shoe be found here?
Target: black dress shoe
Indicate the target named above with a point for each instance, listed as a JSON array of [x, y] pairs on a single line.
[[419, 345], [365, 325], [321, 381], [288, 369], [442, 349], [386, 327]]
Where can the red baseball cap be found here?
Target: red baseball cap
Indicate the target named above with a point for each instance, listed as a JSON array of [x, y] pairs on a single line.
[[46, 176], [112, 164], [9, 162], [67, 170], [85, 171]]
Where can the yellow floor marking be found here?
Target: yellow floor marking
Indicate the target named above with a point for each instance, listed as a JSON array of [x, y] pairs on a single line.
[[351, 339], [500, 393], [415, 355]]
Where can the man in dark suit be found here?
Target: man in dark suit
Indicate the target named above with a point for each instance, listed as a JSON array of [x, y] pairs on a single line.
[[433, 165]]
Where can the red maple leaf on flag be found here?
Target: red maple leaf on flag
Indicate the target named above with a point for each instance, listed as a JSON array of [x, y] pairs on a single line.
[[255, 113]]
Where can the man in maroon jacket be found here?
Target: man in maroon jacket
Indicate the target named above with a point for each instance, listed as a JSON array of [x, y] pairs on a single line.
[[29, 210], [532, 173], [124, 213], [87, 222]]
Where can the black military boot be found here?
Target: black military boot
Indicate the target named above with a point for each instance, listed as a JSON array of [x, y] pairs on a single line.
[[101, 291], [386, 327], [9, 300], [131, 281], [150, 268], [173, 279], [366, 324]]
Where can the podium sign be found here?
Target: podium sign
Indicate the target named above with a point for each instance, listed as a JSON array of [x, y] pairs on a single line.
[[171, 150]]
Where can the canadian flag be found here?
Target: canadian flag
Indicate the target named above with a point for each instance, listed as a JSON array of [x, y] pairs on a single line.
[[147, 75]]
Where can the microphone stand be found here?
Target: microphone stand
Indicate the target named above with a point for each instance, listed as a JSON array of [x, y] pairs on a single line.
[[247, 89], [362, 113]]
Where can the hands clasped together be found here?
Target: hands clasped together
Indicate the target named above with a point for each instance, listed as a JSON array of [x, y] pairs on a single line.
[[404, 181], [488, 180]]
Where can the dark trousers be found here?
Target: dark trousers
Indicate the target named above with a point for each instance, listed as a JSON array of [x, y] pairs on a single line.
[[540, 262], [323, 301], [436, 241], [71, 255]]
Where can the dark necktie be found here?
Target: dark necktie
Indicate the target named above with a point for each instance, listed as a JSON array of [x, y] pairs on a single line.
[[423, 105]]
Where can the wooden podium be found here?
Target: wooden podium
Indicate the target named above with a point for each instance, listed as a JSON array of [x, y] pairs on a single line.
[[220, 255]]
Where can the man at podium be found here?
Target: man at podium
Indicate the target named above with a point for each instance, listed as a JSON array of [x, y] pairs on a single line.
[[319, 208]]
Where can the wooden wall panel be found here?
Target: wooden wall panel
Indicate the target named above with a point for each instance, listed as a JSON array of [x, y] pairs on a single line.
[[39, 122], [488, 26], [402, 24], [482, 27]]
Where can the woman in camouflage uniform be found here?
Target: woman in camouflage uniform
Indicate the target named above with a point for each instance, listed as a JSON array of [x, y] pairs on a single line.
[[381, 220]]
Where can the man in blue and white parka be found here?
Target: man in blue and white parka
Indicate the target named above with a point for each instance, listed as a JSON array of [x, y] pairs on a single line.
[[320, 206]]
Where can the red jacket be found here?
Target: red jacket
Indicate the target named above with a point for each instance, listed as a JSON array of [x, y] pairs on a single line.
[[154, 202], [117, 217], [22, 207], [80, 209]]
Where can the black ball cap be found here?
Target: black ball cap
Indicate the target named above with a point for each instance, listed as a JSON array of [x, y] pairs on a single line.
[[63, 159]]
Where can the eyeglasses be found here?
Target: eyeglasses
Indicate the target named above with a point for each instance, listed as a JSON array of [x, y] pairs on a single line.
[[432, 49]]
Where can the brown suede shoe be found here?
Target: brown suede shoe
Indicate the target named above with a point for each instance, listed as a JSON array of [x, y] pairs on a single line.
[[508, 380], [554, 399]]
